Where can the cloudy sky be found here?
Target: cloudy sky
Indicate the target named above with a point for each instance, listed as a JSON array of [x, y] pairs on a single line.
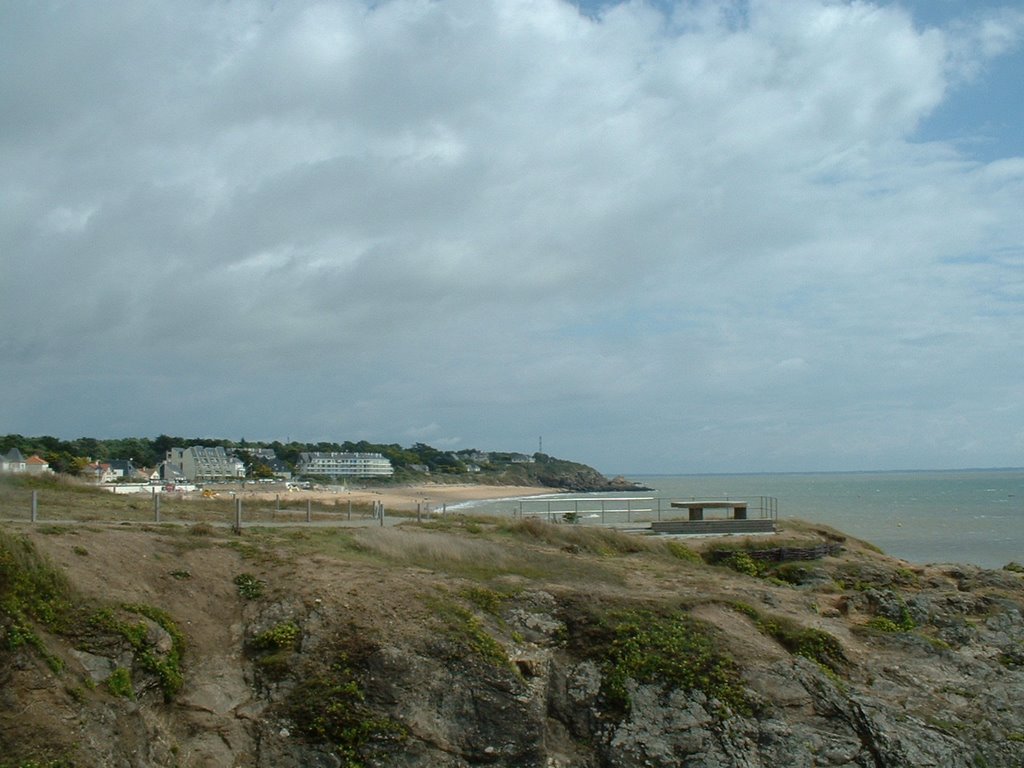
[[665, 236]]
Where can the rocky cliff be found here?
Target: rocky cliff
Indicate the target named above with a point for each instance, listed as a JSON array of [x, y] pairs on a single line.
[[549, 472], [465, 642]]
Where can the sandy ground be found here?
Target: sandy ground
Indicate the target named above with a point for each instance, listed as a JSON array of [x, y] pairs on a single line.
[[406, 498]]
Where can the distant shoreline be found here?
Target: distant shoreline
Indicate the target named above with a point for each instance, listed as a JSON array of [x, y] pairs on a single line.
[[798, 473]]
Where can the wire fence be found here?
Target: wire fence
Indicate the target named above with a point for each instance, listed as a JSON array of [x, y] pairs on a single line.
[[71, 504]]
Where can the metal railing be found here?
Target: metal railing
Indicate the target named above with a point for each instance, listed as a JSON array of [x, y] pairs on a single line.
[[619, 510]]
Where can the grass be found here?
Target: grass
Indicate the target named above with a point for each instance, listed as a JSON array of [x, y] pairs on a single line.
[[34, 593], [476, 557], [811, 643], [604, 542], [463, 629], [63, 498], [165, 667], [38, 763], [487, 600], [274, 649]]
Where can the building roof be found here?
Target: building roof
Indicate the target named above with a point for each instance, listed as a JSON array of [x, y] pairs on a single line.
[[33, 459]]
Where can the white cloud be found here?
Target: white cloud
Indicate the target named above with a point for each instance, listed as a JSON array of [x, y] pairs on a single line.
[[340, 219]]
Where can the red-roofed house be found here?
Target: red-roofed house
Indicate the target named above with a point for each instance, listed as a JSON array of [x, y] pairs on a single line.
[[36, 465], [100, 472]]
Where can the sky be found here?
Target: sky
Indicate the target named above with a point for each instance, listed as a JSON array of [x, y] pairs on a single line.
[[671, 236]]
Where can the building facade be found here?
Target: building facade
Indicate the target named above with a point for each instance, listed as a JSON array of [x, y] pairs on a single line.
[[199, 464], [333, 464]]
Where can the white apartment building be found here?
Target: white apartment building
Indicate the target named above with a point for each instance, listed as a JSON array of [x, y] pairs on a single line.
[[344, 465]]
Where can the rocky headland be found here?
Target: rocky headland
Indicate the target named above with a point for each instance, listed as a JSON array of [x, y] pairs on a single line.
[[467, 641]]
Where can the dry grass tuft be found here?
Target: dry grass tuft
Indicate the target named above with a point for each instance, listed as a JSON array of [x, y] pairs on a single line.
[[435, 550], [582, 538]]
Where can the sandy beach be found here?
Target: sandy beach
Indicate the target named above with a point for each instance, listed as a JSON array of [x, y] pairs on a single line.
[[406, 498]]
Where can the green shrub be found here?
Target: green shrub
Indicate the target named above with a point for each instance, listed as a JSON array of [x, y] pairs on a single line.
[[328, 706], [676, 651], [279, 637], [741, 562], [32, 591], [120, 683], [814, 644], [793, 573], [904, 623], [885, 624], [468, 632], [485, 599], [249, 586], [30, 587], [165, 667]]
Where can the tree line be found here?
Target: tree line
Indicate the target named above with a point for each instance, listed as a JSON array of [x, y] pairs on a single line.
[[72, 456]]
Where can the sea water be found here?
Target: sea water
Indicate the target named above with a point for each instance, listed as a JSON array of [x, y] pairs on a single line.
[[969, 516]]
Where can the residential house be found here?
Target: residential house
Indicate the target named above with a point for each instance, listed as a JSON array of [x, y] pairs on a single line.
[[124, 469], [13, 462], [99, 472]]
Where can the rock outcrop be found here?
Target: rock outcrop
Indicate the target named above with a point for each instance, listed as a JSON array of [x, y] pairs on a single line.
[[423, 648]]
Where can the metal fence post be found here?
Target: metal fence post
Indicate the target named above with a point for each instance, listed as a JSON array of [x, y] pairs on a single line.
[[156, 506], [309, 510], [35, 506], [238, 515]]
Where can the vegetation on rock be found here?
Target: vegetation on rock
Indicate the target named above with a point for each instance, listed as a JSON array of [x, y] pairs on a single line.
[[472, 641]]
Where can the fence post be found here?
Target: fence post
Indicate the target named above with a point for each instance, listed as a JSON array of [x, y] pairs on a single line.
[[238, 515], [156, 506], [418, 504], [35, 506], [309, 511], [382, 513], [350, 509]]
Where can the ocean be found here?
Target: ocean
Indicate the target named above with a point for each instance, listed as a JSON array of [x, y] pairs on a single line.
[[963, 516]]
